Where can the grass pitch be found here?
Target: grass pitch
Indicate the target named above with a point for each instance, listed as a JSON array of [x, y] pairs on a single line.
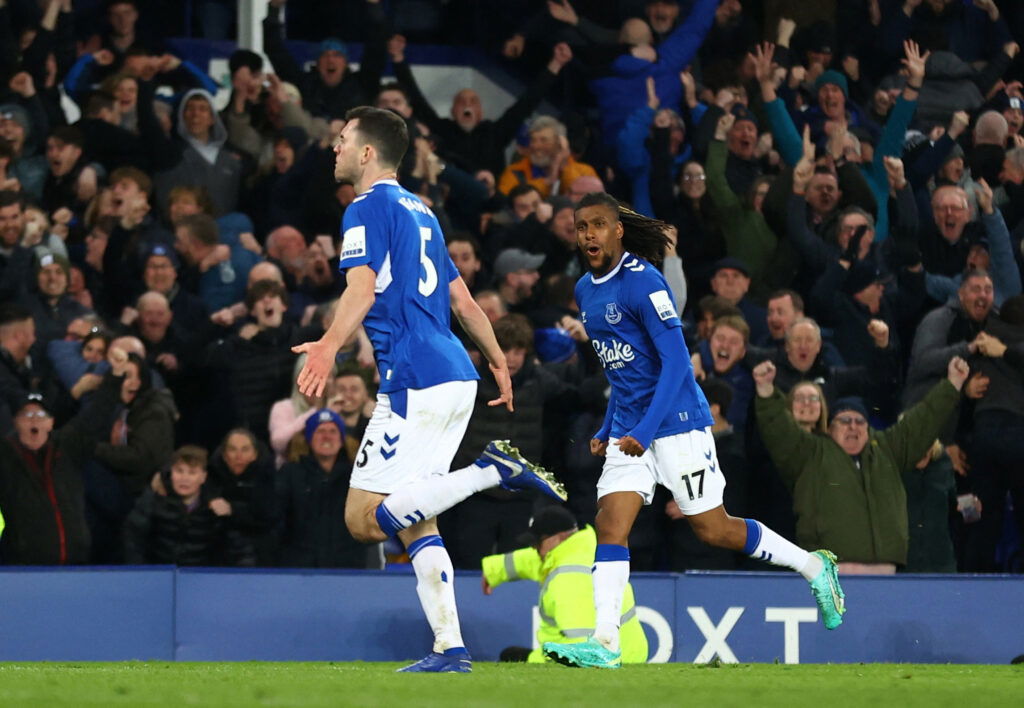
[[368, 684]]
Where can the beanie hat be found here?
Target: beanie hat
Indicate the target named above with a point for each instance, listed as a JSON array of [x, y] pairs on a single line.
[[833, 77], [324, 415]]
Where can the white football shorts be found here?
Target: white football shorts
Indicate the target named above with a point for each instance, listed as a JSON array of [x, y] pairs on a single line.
[[412, 434], [686, 464]]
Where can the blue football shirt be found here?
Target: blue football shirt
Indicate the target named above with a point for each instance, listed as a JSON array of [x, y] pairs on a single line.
[[623, 311], [389, 229]]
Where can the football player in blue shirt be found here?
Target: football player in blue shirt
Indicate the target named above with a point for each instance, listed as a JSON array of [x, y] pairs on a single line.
[[657, 429], [402, 286]]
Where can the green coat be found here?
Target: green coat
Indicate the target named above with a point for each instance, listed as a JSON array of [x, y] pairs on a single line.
[[860, 514], [567, 593]]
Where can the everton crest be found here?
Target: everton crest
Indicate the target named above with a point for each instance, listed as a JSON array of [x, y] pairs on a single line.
[[612, 314]]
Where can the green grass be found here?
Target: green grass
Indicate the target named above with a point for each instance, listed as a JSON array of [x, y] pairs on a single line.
[[366, 684]]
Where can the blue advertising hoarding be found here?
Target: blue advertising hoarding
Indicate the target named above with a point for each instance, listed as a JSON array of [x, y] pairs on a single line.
[[111, 614]]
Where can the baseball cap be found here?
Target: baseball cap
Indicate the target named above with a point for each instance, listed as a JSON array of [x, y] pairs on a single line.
[[49, 258], [549, 521], [30, 399], [743, 113], [333, 44], [324, 415], [512, 259], [161, 250]]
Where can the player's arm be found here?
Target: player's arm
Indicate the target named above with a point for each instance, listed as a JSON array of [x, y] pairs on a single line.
[[599, 443], [478, 327], [352, 307], [672, 353]]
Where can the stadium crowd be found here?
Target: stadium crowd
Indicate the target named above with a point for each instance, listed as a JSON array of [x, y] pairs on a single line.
[[843, 181]]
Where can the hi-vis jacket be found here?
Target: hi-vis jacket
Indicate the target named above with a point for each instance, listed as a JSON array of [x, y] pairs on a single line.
[[567, 593]]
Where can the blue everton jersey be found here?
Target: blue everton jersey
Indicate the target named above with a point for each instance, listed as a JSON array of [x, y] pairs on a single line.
[[393, 232], [623, 311]]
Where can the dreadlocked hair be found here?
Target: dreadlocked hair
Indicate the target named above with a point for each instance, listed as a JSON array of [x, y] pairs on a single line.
[[641, 235]]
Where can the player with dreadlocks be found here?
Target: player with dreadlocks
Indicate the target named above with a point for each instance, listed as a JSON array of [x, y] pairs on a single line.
[[658, 426]]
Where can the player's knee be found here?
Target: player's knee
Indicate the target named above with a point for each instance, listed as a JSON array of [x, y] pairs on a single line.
[[362, 524]]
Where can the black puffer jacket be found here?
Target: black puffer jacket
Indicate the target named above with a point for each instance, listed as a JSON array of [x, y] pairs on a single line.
[[160, 530], [260, 371], [251, 496], [311, 504]]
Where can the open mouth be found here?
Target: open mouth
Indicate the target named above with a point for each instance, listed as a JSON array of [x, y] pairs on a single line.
[[593, 250], [723, 356]]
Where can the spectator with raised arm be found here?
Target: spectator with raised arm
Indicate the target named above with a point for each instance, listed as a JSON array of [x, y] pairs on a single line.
[[624, 89], [847, 487], [987, 249], [331, 87], [467, 138], [747, 235]]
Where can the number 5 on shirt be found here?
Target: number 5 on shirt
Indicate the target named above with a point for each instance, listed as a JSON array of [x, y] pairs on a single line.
[[429, 283]]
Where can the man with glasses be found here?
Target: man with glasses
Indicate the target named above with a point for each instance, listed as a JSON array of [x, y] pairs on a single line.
[[41, 490], [847, 488]]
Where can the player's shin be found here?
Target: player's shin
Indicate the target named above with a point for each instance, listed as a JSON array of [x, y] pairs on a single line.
[[435, 580], [427, 498], [766, 545], [611, 573]]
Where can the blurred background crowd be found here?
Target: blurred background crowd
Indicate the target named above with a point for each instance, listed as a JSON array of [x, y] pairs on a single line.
[[842, 181]]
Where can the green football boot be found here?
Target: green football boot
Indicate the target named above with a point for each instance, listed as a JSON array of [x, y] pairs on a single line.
[[590, 654], [826, 590]]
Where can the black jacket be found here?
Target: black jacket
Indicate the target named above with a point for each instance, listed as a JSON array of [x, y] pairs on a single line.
[[251, 495], [43, 499], [160, 530], [311, 504], [357, 88]]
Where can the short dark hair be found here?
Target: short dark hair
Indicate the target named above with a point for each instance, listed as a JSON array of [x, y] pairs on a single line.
[[514, 331], [8, 197], [246, 58], [393, 86], [69, 135], [385, 130], [98, 101], [519, 190], [261, 288], [201, 227], [798, 302], [465, 237], [191, 455], [136, 50], [12, 312]]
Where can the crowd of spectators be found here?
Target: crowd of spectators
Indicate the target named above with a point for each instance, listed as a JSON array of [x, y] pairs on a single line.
[[842, 181]]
